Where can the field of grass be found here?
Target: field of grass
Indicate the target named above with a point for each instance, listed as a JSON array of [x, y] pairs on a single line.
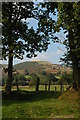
[[41, 104], [41, 88]]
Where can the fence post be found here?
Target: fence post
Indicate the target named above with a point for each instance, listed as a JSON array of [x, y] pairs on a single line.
[[49, 86], [55, 88], [37, 85], [61, 85], [45, 87]]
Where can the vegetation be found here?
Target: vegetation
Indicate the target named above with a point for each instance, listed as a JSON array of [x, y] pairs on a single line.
[[34, 89], [68, 21], [45, 77], [66, 78], [40, 105]]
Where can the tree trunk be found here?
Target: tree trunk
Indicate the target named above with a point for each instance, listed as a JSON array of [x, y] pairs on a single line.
[[79, 74], [37, 85], [10, 58], [75, 76], [75, 62], [49, 85], [76, 72], [10, 78]]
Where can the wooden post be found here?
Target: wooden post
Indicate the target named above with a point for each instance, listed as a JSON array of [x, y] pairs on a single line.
[[61, 85], [37, 85], [45, 87], [49, 86], [55, 88]]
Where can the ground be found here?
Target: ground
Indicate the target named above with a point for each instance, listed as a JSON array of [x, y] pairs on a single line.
[[41, 104]]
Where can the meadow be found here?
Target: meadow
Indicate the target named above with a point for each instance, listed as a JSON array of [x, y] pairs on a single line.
[[41, 104]]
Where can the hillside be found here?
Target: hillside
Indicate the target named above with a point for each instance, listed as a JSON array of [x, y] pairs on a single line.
[[32, 67], [38, 66]]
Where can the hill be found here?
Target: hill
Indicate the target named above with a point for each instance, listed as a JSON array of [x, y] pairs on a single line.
[[38, 66], [32, 67]]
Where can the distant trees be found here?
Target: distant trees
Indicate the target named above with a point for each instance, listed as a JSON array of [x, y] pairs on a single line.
[[51, 78], [34, 81], [66, 78], [19, 80], [26, 72], [43, 73]]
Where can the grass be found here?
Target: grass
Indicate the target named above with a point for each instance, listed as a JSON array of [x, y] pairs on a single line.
[[41, 104], [41, 88]]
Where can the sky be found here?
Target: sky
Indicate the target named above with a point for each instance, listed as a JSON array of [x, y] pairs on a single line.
[[53, 54]]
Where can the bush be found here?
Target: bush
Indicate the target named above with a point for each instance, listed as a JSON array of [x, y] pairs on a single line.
[[4, 80], [33, 79], [43, 73], [21, 80], [66, 78]]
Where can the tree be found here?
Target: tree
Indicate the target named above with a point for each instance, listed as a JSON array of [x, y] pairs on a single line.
[[68, 20], [51, 77], [43, 73], [66, 78], [16, 37], [34, 80]]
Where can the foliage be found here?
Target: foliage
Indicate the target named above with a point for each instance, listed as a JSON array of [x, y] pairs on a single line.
[[44, 79], [68, 21], [17, 37], [51, 77], [14, 17], [43, 73], [21, 80], [66, 78], [33, 79]]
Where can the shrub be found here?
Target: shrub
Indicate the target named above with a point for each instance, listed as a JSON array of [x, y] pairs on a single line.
[[66, 78]]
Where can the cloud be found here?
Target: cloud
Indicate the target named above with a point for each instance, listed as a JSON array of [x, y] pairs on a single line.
[[41, 56], [51, 56], [58, 52]]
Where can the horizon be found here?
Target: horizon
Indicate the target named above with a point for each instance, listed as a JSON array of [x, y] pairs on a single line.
[[34, 61]]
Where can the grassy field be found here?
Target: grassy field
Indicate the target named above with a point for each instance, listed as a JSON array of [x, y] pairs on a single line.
[[41, 104], [41, 88]]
